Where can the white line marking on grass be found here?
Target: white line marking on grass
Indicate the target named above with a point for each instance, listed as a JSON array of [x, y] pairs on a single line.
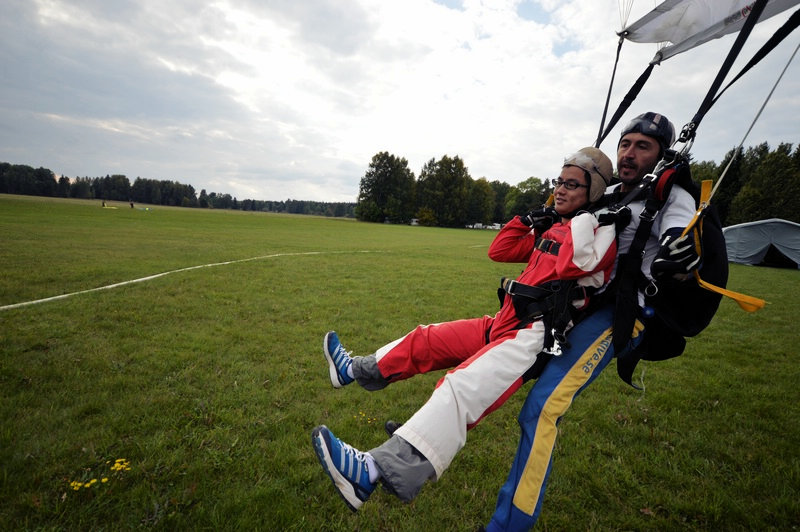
[[156, 276]]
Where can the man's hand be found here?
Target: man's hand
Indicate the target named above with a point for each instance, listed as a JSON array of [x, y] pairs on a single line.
[[677, 257], [541, 219], [620, 217]]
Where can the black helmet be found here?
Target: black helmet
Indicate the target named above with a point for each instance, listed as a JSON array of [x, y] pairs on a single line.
[[653, 125]]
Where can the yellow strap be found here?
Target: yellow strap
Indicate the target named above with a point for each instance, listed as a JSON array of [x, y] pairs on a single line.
[[705, 195], [550, 200], [748, 303], [705, 191]]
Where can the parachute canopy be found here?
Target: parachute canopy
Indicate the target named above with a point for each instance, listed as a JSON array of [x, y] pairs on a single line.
[[684, 24]]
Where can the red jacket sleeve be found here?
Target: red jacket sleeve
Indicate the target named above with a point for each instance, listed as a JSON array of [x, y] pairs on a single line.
[[514, 243]]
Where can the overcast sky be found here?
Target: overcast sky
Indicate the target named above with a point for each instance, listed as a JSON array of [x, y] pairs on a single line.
[[279, 99]]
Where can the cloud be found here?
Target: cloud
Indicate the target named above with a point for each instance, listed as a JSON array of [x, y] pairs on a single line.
[[287, 99]]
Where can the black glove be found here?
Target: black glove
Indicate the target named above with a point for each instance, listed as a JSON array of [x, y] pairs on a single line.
[[676, 257], [620, 217], [541, 219]]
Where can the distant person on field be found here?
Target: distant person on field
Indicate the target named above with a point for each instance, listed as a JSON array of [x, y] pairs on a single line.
[[568, 253]]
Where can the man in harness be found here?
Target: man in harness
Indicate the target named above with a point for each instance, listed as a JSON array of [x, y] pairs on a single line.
[[568, 254], [664, 254]]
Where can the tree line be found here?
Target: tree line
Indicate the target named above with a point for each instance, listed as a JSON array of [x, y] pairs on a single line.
[[24, 179], [760, 184], [443, 195]]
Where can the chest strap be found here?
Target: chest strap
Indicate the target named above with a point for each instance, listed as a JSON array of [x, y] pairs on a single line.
[[548, 246]]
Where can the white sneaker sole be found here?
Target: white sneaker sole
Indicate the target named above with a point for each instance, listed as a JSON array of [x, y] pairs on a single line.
[[342, 485]]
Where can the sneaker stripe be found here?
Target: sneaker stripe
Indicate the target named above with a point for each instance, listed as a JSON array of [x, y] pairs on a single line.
[[359, 471], [345, 463], [340, 357]]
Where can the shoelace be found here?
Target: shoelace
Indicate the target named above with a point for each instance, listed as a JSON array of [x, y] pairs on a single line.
[[342, 357]]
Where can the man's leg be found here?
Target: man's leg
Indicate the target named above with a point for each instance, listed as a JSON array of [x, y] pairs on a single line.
[[520, 499]]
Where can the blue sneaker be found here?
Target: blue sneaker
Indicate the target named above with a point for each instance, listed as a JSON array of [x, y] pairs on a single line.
[[346, 466], [338, 360]]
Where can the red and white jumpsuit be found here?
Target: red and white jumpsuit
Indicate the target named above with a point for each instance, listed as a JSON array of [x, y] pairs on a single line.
[[489, 355]]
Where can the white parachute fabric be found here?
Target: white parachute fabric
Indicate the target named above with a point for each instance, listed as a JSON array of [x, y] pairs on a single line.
[[684, 24]]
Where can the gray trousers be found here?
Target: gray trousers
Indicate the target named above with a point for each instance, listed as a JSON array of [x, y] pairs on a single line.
[[367, 374], [403, 468]]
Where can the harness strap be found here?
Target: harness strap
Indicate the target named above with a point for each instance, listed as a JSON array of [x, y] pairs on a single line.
[[540, 292], [550, 302], [629, 272], [548, 246]]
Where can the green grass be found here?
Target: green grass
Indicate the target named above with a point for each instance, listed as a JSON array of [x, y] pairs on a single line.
[[209, 381]]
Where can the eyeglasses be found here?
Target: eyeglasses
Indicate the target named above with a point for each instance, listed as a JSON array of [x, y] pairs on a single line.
[[569, 185]]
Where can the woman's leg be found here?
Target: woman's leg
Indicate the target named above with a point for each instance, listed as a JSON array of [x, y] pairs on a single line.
[[426, 348], [438, 430]]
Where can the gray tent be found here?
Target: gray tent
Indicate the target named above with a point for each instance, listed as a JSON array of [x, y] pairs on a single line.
[[772, 242]]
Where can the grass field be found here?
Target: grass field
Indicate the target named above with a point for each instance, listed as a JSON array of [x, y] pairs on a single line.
[[189, 398]]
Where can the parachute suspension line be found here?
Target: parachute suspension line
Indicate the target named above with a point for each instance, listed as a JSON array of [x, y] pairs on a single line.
[[627, 101], [624, 12], [600, 135], [753, 123]]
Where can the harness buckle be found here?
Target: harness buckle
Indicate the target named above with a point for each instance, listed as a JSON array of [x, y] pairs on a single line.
[[509, 285], [648, 215], [547, 246], [554, 349]]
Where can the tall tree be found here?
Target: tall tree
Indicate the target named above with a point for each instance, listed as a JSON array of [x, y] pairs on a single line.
[[63, 186], [481, 201], [386, 191], [81, 188], [772, 190], [501, 189], [527, 195], [45, 183], [443, 188]]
